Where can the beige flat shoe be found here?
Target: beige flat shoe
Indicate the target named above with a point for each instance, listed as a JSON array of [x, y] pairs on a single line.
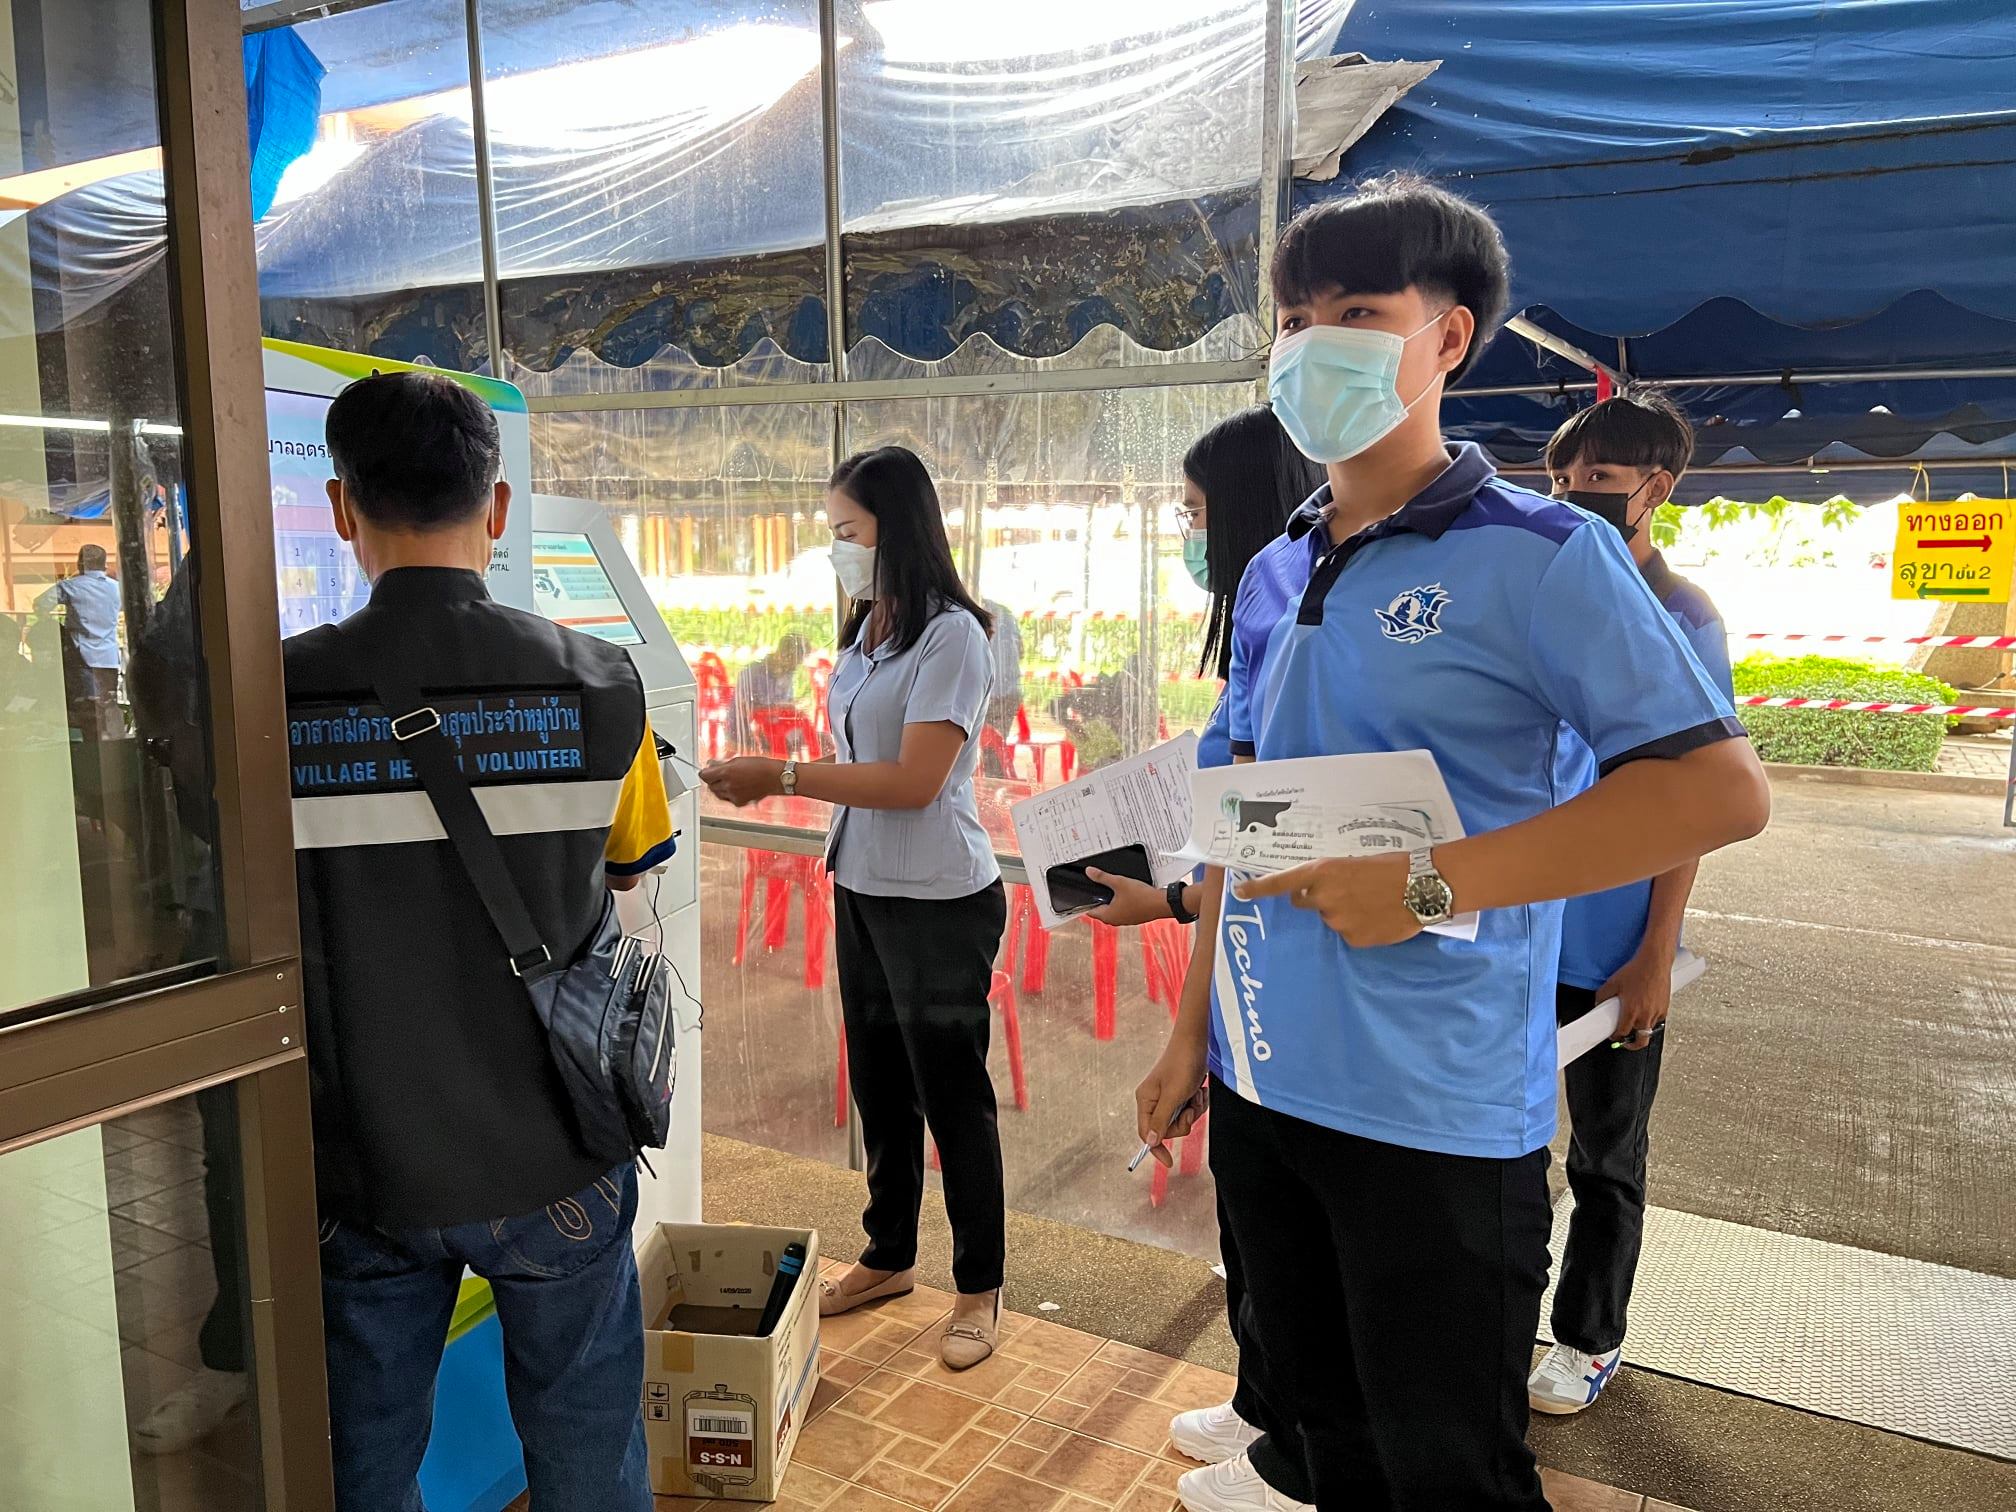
[[965, 1343], [833, 1301]]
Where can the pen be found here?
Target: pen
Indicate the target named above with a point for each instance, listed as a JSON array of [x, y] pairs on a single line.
[[1148, 1145]]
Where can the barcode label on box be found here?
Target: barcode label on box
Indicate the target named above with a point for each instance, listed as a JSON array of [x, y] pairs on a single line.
[[722, 1427]]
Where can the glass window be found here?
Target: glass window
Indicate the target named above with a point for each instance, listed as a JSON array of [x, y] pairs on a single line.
[[373, 240], [1018, 178], [721, 509], [104, 752], [660, 193], [125, 1330], [1070, 498]]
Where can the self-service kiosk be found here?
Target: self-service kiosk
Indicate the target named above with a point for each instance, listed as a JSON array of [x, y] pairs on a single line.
[[584, 579]]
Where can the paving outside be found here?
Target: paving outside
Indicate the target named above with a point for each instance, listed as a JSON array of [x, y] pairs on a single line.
[[1976, 756], [1059, 1420]]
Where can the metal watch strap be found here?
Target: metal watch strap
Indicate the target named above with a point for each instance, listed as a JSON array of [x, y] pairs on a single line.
[[787, 779]]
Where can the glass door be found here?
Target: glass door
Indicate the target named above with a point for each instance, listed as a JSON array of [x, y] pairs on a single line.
[[159, 1296]]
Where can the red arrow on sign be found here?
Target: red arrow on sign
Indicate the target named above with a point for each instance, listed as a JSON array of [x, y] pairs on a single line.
[[1977, 543]]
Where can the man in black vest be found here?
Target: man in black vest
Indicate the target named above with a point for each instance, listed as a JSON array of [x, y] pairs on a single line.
[[443, 1133]]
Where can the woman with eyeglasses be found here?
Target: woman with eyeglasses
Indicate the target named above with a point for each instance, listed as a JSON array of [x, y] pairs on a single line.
[[917, 898], [1242, 479]]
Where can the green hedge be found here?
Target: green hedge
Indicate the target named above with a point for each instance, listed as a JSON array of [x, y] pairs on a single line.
[[1810, 737]]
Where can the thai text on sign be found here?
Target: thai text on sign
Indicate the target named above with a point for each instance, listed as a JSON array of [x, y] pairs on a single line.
[[1960, 551]]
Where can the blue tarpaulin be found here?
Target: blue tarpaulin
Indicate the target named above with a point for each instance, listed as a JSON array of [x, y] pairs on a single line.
[[1737, 187]]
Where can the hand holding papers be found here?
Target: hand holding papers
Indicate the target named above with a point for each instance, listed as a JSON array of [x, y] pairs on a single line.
[[1599, 1024], [1268, 816], [1144, 800]]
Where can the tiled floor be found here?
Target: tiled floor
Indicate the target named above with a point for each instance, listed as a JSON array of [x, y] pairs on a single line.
[[1057, 1421]]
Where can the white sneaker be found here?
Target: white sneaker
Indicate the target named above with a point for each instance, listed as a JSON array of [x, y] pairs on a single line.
[[1568, 1380], [1212, 1435], [1234, 1486], [188, 1416]]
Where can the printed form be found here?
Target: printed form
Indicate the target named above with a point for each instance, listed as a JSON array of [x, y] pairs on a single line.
[[1144, 800], [1267, 816]]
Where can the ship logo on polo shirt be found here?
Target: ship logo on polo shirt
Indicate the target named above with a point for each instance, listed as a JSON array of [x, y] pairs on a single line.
[[1415, 615]]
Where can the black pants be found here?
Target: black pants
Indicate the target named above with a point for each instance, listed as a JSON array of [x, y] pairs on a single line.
[[1396, 1294], [914, 974], [1277, 1455], [1610, 1095], [221, 1343]]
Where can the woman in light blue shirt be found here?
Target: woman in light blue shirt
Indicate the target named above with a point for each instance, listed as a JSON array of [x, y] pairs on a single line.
[[917, 898]]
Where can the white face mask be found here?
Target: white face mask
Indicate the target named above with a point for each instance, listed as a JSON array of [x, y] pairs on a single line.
[[854, 565], [1333, 388]]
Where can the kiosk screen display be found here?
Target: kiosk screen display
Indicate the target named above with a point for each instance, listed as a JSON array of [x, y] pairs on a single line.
[[571, 588]]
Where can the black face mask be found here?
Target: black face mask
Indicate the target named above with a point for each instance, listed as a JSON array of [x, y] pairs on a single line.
[[1612, 507]]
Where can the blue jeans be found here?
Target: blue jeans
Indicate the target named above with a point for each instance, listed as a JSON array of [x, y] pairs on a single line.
[[565, 1281]]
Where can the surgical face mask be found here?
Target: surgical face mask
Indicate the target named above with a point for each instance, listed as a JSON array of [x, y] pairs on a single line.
[[1333, 388], [1614, 508], [854, 565], [1196, 562]]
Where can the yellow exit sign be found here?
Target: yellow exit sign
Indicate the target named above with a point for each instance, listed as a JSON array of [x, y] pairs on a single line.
[[1961, 552]]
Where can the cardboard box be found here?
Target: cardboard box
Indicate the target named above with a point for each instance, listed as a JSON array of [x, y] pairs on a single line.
[[722, 1408]]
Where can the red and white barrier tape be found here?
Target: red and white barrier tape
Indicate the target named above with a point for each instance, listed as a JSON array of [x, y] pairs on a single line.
[[1852, 706], [1978, 642]]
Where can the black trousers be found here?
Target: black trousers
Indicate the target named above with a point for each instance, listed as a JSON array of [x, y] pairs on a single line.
[[1610, 1095], [1277, 1455], [914, 974], [1396, 1295], [221, 1343]]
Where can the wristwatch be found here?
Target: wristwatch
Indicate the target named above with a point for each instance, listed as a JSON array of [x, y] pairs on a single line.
[[1174, 893], [1428, 897], [787, 780]]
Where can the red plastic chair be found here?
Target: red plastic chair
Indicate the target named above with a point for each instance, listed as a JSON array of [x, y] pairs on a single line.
[[712, 704], [1165, 960], [782, 875], [784, 731], [822, 685], [1027, 937], [1063, 745]]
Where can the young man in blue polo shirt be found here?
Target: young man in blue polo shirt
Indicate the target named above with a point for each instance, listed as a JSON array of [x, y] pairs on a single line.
[[1620, 460], [1383, 1098]]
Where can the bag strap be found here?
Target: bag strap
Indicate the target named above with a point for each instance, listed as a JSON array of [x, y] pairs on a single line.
[[416, 725]]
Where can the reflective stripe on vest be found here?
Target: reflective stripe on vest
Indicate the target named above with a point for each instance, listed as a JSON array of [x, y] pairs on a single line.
[[405, 818]]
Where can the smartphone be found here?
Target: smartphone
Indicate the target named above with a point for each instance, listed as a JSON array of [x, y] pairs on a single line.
[[1072, 892]]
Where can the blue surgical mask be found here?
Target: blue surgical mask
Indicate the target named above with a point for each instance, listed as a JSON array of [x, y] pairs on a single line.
[[1195, 561], [1333, 388]]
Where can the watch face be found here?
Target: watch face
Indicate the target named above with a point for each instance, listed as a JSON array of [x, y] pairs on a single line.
[[1429, 899]]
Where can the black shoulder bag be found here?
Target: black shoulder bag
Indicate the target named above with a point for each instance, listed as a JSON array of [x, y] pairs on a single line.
[[608, 1015]]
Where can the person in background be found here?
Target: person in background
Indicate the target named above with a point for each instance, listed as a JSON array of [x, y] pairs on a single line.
[[1242, 479], [90, 605], [770, 682], [917, 897], [1382, 1097], [1006, 702], [444, 1138], [1620, 460]]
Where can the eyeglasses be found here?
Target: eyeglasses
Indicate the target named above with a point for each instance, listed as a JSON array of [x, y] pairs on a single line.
[[1188, 521]]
